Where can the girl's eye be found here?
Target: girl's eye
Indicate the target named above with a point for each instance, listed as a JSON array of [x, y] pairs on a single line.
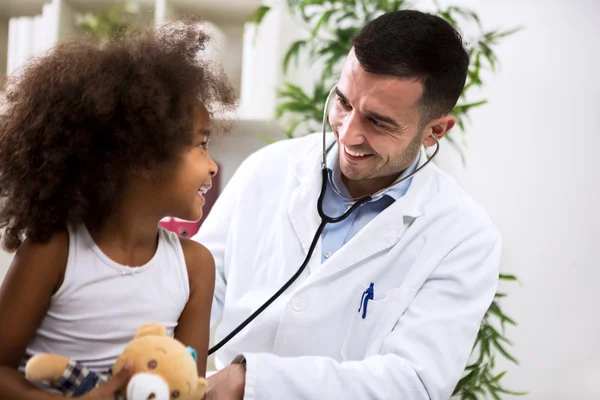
[[204, 144]]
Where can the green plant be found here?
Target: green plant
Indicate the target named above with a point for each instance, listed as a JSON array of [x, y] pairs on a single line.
[[116, 20], [330, 25]]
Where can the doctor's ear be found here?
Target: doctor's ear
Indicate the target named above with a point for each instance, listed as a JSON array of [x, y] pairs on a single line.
[[438, 127]]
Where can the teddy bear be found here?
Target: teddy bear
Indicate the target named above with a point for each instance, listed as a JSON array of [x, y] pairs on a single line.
[[163, 369]]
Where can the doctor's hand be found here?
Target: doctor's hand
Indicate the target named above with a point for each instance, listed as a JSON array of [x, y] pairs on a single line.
[[227, 384]]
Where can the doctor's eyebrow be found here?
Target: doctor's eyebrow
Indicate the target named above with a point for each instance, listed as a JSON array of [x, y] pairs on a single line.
[[371, 114]]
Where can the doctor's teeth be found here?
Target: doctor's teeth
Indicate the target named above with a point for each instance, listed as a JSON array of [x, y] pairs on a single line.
[[355, 154]]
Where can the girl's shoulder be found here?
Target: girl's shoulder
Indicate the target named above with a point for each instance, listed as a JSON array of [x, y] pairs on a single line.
[[48, 259], [199, 261]]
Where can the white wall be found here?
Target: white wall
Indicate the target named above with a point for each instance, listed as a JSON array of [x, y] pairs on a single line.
[[532, 164]]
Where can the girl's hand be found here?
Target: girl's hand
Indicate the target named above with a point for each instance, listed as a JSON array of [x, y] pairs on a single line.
[[109, 389]]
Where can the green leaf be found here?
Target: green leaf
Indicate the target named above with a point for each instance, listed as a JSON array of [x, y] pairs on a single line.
[[469, 396], [293, 108], [502, 390], [294, 92], [503, 351], [492, 391], [499, 376], [507, 277], [384, 4], [464, 108], [396, 5], [448, 17], [348, 15], [323, 20], [495, 310], [258, 15], [501, 35], [467, 380], [498, 336], [294, 51], [466, 13]]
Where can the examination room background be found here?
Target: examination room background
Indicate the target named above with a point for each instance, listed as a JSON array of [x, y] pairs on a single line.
[[532, 164]]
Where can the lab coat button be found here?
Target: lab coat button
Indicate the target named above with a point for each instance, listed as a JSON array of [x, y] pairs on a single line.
[[327, 254], [298, 305]]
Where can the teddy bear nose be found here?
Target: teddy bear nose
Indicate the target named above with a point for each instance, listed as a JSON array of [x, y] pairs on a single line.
[[152, 396]]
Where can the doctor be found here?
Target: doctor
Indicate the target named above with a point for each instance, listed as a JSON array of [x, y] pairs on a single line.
[[391, 302]]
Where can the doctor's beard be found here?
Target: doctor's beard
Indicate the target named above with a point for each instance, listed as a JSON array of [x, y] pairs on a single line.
[[392, 167]]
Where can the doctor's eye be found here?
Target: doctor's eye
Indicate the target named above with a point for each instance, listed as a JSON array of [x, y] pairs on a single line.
[[377, 124], [152, 364], [342, 102], [175, 394]]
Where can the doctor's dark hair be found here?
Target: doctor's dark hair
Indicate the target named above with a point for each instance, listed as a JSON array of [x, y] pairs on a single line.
[[80, 120], [411, 44]]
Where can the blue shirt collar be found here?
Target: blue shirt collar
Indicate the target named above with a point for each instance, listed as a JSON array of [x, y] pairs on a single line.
[[335, 176]]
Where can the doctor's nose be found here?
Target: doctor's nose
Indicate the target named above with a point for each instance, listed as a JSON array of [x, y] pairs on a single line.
[[350, 131]]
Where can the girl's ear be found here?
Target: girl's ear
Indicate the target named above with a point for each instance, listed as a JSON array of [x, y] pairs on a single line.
[[142, 172]]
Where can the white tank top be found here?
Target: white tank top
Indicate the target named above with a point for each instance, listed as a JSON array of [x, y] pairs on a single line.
[[100, 303]]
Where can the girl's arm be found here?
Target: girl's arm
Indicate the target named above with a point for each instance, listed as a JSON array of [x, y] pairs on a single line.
[[35, 274], [193, 328]]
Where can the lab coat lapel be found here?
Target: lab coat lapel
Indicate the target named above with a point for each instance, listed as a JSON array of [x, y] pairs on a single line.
[[385, 230], [302, 209]]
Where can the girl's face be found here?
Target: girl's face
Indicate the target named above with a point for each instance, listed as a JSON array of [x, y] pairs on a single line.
[[190, 176]]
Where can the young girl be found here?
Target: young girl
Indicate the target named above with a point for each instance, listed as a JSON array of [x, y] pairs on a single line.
[[97, 144]]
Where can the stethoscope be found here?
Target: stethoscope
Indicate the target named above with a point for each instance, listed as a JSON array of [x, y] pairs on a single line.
[[325, 219]]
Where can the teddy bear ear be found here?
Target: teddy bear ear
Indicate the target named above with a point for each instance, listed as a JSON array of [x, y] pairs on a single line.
[[201, 388], [151, 329]]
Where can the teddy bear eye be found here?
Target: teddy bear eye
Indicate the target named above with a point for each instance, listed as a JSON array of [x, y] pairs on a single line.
[[175, 394], [152, 364]]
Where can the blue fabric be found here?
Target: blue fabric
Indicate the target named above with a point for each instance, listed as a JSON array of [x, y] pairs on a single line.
[[334, 236], [89, 383]]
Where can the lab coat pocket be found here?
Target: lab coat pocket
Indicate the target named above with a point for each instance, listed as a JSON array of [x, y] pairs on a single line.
[[365, 336]]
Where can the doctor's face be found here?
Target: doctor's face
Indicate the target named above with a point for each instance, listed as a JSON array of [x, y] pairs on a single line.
[[376, 120]]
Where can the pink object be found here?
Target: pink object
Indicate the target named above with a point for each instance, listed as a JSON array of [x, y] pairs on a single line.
[[187, 229]]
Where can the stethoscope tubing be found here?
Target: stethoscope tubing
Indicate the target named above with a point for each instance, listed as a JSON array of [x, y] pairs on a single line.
[[325, 219]]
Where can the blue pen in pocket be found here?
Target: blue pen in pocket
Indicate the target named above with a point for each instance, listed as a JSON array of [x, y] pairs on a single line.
[[366, 296]]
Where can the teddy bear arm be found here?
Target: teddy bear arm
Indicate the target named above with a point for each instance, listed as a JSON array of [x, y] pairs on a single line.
[[201, 388], [46, 367]]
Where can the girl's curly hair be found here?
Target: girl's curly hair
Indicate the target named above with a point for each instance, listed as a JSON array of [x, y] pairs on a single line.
[[77, 120]]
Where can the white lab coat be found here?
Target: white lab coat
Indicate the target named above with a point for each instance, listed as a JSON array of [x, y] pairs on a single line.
[[433, 257]]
